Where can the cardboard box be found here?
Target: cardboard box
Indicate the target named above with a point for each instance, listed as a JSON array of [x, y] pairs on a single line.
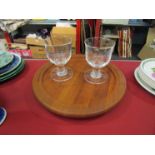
[[20, 49], [18, 46], [147, 51], [23, 53], [20, 40], [37, 44], [38, 52], [65, 31], [36, 41]]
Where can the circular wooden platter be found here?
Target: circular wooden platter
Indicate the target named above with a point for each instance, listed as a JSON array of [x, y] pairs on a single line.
[[77, 98]]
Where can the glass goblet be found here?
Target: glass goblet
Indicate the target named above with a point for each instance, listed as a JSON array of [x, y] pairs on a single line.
[[59, 52], [98, 52]]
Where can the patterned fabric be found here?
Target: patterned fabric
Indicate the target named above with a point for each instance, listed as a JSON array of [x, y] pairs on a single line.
[[125, 43]]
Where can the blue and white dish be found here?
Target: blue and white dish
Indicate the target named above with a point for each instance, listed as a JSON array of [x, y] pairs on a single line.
[[3, 114], [11, 66]]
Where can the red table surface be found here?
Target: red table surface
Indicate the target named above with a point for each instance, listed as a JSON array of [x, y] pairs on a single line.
[[135, 114]]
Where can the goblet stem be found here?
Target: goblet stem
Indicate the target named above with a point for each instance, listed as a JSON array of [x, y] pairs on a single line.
[[61, 71], [96, 73]]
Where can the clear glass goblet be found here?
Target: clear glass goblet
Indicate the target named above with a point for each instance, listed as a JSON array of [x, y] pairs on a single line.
[[59, 51], [98, 52]]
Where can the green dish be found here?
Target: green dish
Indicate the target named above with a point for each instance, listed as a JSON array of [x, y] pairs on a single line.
[[5, 58], [13, 73], [11, 66]]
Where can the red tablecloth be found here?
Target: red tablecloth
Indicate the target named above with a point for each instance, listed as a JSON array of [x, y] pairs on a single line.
[[135, 114]]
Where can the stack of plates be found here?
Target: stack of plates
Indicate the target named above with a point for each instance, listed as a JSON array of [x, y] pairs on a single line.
[[10, 65], [145, 75]]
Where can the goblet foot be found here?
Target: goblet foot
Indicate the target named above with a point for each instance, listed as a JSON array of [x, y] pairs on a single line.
[[61, 75], [95, 77]]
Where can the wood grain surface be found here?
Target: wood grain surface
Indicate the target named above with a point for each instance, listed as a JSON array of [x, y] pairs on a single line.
[[77, 98]]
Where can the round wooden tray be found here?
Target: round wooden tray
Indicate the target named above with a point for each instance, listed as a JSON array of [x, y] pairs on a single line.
[[77, 98]]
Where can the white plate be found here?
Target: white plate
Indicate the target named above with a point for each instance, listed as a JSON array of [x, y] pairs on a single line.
[[142, 83], [147, 71], [148, 67]]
